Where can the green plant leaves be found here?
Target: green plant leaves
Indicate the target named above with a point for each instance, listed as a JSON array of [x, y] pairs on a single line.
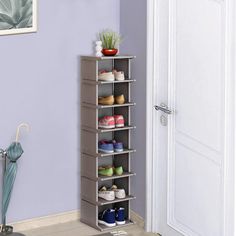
[[6, 18], [110, 39], [4, 25], [5, 6], [16, 7], [15, 14], [23, 2], [23, 23]]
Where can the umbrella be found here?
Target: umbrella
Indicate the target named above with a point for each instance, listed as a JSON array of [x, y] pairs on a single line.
[[14, 152]]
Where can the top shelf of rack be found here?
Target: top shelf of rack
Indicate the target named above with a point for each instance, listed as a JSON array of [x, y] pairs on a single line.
[[94, 58]]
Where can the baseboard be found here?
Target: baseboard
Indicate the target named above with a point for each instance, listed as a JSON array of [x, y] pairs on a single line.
[[45, 221], [137, 219], [59, 219]]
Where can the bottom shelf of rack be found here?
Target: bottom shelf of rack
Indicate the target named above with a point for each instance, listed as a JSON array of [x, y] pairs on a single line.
[[105, 228], [89, 214]]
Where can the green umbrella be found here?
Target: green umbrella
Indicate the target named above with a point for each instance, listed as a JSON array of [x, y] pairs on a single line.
[[11, 155], [13, 152]]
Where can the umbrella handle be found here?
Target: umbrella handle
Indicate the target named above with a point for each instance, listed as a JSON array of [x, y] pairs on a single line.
[[18, 130]]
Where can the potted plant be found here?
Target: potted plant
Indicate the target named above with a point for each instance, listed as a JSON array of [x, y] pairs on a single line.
[[110, 42]]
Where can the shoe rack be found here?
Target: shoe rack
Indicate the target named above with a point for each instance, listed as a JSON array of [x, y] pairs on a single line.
[[91, 158]]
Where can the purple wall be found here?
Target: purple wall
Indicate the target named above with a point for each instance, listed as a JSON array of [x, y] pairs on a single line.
[[133, 28], [39, 81]]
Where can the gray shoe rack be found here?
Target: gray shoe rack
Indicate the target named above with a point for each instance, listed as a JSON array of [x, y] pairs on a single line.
[[91, 158]]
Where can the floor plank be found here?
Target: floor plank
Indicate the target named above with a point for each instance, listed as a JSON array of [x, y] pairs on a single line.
[[76, 228]]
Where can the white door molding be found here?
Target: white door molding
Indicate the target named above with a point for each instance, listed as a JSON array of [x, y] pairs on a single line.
[[230, 123], [229, 166], [152, 80]]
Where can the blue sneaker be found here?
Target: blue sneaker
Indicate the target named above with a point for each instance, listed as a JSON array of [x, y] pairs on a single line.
[[105, 146], [118, 146], [120, 216], [107, 218]]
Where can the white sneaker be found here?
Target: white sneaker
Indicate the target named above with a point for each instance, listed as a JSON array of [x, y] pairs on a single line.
[[108, 195], [106, 76], [119, 75], [119, 193]]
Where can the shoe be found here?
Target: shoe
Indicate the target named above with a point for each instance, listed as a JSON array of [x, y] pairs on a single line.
[[109, 170], [120, 99], [118, 170], [106, 76], [118, 146], [105, 171], [107, 122], [108, 195], [105, 146], [119, 75], [120, 216], [109, 100], [107, 218], [119, 193], [119, 121]]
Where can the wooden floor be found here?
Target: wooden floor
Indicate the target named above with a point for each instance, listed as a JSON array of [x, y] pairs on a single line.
[[79, 229]]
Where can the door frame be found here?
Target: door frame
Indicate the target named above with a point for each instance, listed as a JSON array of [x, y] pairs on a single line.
[[152, 79], [152, 216]]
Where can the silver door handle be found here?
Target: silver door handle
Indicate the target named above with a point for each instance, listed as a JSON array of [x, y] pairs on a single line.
[[163, 108]]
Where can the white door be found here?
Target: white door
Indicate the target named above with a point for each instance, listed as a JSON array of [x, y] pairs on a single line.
[[194, 149]]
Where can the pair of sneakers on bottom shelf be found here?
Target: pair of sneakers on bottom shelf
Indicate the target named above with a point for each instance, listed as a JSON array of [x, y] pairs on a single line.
[[111, 193], [112, 217]]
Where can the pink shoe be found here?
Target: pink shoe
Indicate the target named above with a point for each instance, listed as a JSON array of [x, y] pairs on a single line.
[[107, 122], [119, 121]]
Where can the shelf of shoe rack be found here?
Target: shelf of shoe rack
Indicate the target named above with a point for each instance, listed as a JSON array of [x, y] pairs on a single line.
[[99, 130], [126, 151], [108, 82], [109, 106], [124, 175], [91, 158], [127, 223], [103, 202]]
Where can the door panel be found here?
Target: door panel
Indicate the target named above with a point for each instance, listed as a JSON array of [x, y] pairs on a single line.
[[200, 70], [197, 198], [196, 93]]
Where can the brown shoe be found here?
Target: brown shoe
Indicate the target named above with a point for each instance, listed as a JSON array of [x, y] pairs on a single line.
[[109, 100], [120, 99]]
